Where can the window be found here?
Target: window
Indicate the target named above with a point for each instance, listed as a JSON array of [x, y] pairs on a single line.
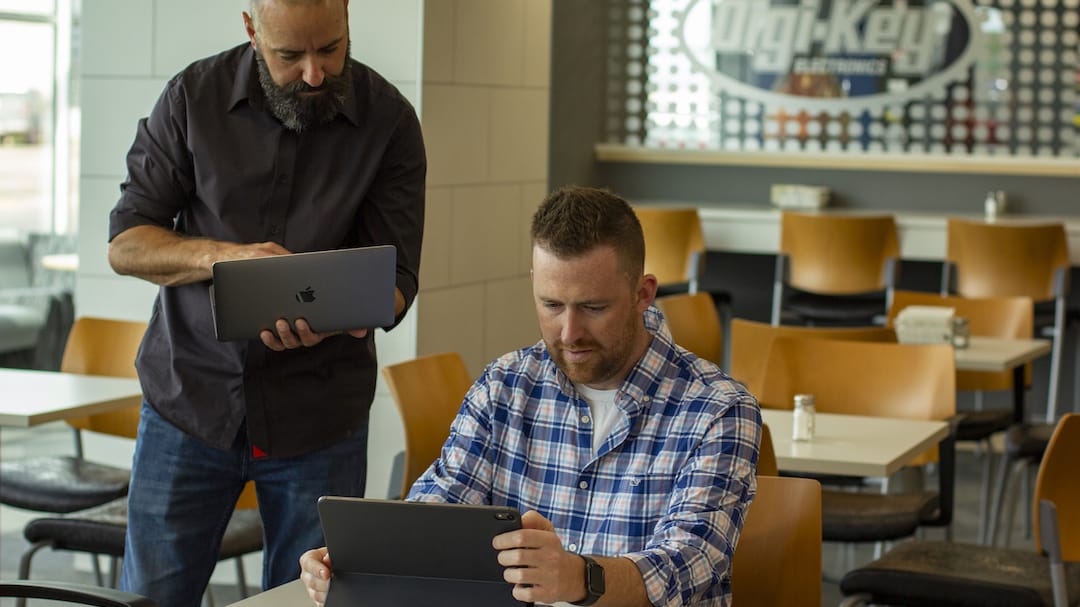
[[38, 117]]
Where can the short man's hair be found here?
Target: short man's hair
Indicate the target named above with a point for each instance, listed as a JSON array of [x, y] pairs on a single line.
[[574, 220], [255, 10]]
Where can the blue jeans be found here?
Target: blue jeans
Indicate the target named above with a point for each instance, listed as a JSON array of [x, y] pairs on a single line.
[[183, 493]]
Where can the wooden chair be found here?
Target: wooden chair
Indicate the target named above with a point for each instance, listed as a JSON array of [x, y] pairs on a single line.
[[778, 559], [998, 259], [65, 485], [674, 247], [428, 391], [1006, 317], [842, 268], [954, 574], [766, 463], [694, 324], [750, 343], [879, 379]]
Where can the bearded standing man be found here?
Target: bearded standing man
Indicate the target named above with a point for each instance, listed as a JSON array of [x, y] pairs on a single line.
[[282, 145]]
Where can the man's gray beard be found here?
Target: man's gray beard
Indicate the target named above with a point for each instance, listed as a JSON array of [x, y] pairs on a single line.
[[299, 112]]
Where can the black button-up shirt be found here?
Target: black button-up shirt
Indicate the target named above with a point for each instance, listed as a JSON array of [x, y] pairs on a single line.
[[211, 161]]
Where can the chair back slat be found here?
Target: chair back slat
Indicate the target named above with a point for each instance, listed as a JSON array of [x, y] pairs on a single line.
[[1006, 259], [101, 346], [750, 343], [838, 254], [428, 392], [778, 559], [1057, 483], [694, 324]]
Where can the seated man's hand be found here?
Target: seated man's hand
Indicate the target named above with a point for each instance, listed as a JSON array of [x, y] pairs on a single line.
[[315, 574], [287, 339], [536, 563]]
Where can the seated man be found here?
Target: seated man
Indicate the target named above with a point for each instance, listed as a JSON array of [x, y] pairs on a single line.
[[632, 459]]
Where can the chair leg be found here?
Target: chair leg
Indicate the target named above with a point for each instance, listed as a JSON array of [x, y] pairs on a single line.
[[987, 489], [1028, 495], [114, 572], [208, 597], [1055, 360], [24, 565], [96, 566], [1010, 513], [995, 510], [241, 580]]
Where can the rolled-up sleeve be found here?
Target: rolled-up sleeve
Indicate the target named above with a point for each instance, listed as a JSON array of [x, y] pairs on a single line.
[[695, 541]]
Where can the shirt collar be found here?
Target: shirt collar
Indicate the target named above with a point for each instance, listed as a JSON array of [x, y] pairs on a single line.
[[246, 87], [637, 389]]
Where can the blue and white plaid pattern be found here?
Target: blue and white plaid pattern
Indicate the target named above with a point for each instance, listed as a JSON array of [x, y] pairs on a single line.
[[669, 489]]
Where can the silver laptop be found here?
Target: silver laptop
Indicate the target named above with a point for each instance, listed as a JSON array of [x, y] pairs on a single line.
[[391, 553], [331, 290]]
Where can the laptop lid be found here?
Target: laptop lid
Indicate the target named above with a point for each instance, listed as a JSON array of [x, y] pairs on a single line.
[[331, 290], [391, 553]]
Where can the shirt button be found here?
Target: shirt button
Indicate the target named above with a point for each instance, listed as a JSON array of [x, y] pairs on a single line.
[[572, 547], [584, 419], [645, 399], [583, 484]]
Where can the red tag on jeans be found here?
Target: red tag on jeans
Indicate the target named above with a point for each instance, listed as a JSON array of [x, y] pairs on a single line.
[[257, 452]]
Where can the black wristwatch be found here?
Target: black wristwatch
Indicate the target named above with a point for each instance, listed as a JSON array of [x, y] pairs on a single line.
[[594, 581]]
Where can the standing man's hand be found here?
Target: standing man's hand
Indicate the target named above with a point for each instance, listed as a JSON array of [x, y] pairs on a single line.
[[287, 339], [536, 563], [315, 574]]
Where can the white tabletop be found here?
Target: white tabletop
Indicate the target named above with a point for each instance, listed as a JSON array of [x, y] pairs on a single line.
[[853, 445], [292, 594], [993, 354], [29, 398]]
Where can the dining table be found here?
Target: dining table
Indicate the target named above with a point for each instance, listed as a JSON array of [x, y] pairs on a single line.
[[30, 398], [1003, 354]]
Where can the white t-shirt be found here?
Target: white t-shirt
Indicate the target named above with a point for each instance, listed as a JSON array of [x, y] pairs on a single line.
[[604, 413]]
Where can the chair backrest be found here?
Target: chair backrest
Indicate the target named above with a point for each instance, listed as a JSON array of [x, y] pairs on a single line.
[[1007, 317], [1006, 259], [750, 343], [766, 463], [778, 558], [694, 323], [1057, 483], [910, 381], [674, 244], [428, 391], [838, 254], [101, 346]]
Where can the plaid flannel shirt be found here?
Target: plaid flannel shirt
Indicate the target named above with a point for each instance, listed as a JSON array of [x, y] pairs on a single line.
[[669, 488]]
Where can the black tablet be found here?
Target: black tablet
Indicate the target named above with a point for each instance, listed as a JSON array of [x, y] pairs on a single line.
[[391, 553]]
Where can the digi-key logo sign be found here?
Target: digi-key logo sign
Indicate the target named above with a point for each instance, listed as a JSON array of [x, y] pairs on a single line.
[[832, 55]]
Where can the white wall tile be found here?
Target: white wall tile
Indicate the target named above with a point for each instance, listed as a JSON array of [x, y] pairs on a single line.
[[452, 320], [509, 316], [97, 196], [519, 134], [386, 35], [455, 122], [436, 254], [485, 233], [537, 71], [111, 108], [190, 30], [119, 297], [116, 38], [439, 40], [489, 41]]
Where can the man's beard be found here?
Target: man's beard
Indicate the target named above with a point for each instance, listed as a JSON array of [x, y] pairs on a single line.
[[609, 359], [298, 111]]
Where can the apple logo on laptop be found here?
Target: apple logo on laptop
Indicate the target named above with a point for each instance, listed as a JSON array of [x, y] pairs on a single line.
[[306, 296]]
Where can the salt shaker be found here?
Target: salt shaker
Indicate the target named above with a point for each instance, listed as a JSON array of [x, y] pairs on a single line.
[[990, 206], [802, 422]]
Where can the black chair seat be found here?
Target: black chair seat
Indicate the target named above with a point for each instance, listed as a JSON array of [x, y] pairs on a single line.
[[854, 309], [870, 517], [978, 425], [60, 483], [100, 530], [933, 574], [1027, 440]]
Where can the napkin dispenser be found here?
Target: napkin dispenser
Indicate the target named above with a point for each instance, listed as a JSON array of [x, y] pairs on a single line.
[[931, 325], [791, 196]]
